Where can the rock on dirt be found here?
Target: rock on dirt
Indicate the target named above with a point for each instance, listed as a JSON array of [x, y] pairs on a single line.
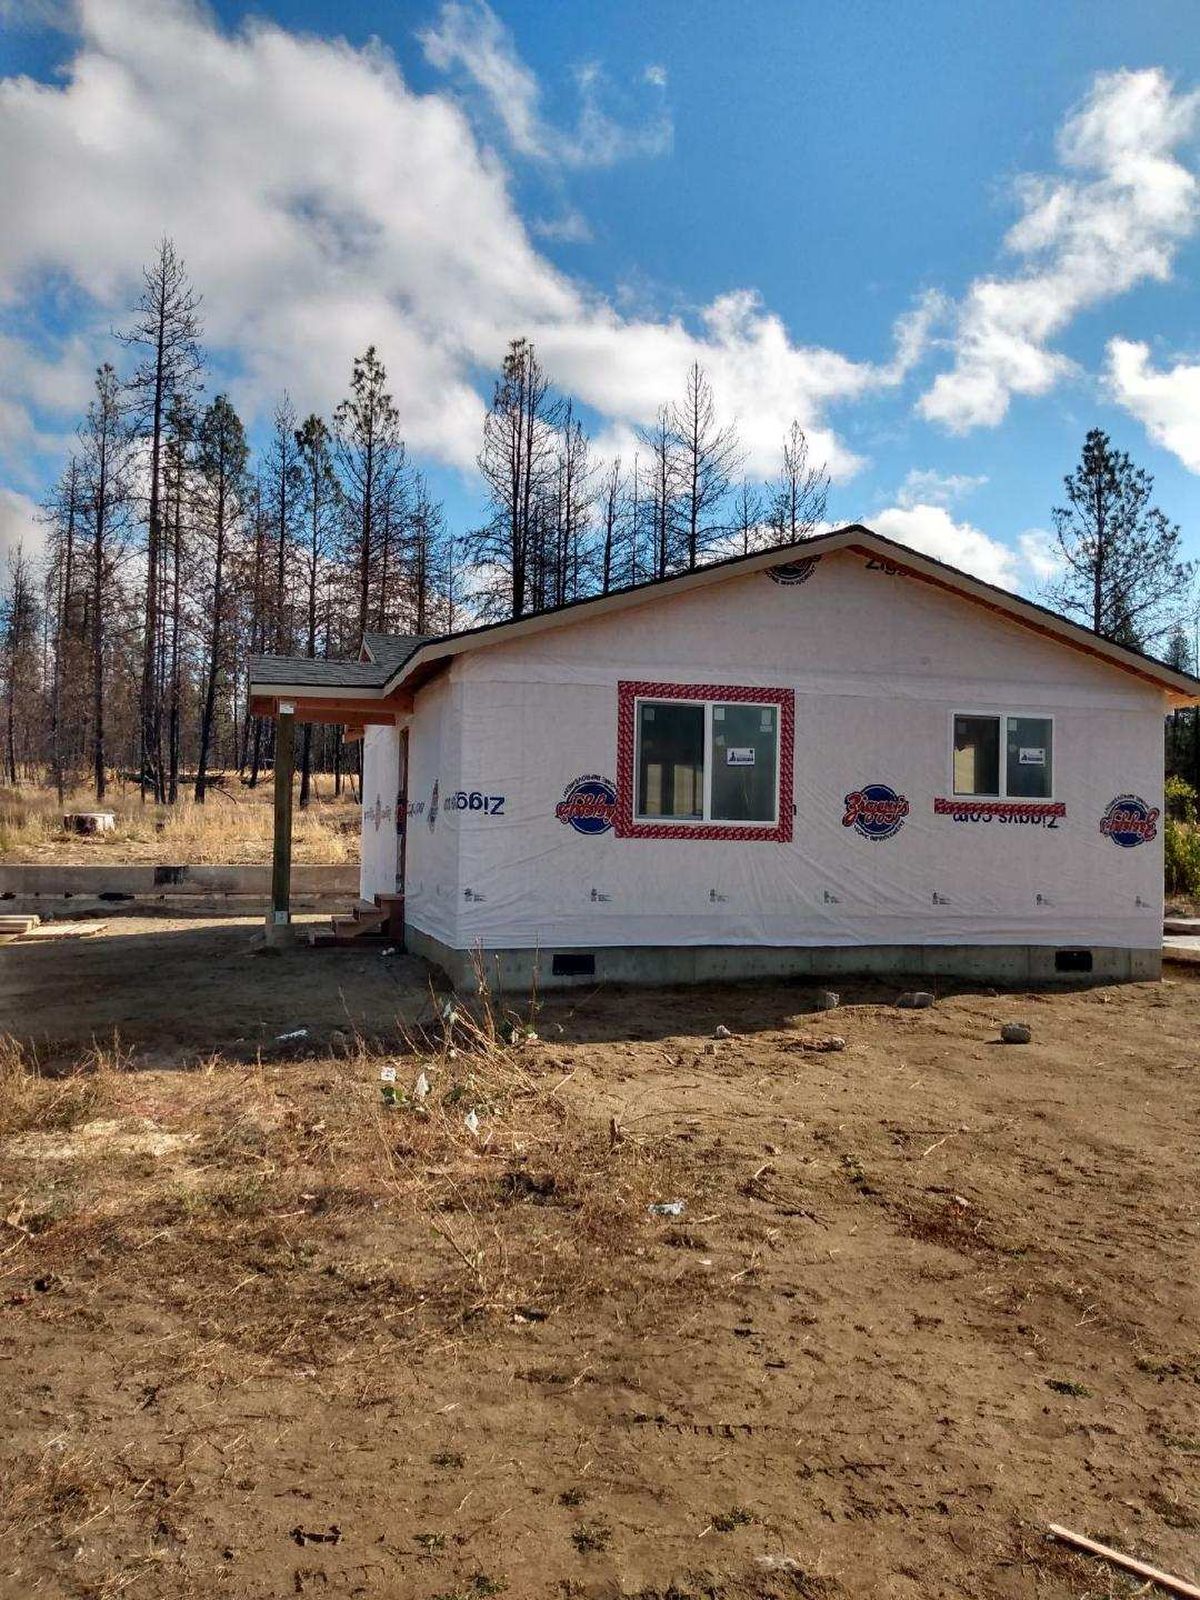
[[1016, 1033], [826, 1000], [721, 1032], [915, 1000]]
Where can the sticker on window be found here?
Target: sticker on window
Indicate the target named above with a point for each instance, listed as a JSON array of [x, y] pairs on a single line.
[[739, 756], [1032, 757]]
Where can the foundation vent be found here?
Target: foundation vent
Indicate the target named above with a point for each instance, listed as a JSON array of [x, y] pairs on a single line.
[[573, 964], [1072, 961]]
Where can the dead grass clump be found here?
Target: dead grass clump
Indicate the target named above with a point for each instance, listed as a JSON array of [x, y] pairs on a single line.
[[536, 1206], [56, 1493], [32, 1099]]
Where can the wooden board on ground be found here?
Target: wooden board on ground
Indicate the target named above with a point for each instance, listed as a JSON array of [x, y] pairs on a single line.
[[55, 930]]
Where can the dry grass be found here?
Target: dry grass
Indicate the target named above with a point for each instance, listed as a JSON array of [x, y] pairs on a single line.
[[34, 1100], [233, 826], [293, 1172]]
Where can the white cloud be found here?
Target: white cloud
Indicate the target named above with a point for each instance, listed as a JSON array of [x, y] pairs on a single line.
[[19, 524], [570, 228], [1113, 219], [928, 487], [320, 205], [932, 529], [1167, 402], [1040, 554], [469, 37], [656, 74]]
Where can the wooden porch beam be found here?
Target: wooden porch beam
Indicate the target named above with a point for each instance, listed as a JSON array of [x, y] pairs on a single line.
[[351, 712]]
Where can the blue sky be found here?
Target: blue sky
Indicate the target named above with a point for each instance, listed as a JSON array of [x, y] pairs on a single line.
[[948, 237]]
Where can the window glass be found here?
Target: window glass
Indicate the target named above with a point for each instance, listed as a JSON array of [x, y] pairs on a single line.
[[977, 755], [670, 759], [1030, 769], [744, 754]]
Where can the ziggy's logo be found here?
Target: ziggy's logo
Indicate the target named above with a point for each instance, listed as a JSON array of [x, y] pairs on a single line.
[[1130, 821], [875, 811], [589, 804], [793, 572]]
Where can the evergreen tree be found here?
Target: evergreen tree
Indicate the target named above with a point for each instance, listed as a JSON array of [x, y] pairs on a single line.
[[370, 458], [104, 440], [221, 459], [518, 462], [1123, 574], [167, 334]]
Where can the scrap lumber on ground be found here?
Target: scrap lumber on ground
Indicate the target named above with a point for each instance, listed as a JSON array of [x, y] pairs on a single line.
[[52, 930], [1142, 1569]]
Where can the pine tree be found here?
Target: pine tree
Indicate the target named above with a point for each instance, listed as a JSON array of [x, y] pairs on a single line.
[[20, 628], [1123, 574], [518, 462], [708, 457], [663, 478], [800, 492], [104, 439], [370, 457], [221, 463], [318, 492], [167, 332]]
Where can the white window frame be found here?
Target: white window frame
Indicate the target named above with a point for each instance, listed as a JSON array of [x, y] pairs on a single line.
[[1003, 718], [706, 820]]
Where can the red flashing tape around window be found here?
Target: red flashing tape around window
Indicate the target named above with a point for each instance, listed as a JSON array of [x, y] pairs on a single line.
[[628, 693], [1029, 809]]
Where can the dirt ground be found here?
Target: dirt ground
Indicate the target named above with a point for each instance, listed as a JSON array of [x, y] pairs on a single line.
[[177, 987], [263, 1335]]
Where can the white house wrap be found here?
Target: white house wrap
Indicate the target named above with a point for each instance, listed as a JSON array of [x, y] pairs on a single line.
[[849, 758]]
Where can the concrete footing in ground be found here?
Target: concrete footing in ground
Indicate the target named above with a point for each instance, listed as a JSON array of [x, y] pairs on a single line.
[[517, 971], [279, 935]]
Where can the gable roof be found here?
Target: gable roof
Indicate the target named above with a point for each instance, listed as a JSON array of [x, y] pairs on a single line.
[[1181, 687], [392, 649], [408, 660]]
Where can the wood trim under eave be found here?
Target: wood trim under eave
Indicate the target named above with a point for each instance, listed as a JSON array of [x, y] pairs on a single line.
[[1028, 622], [383, 713]]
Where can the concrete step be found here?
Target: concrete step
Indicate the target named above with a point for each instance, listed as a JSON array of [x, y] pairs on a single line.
[[328, 938]]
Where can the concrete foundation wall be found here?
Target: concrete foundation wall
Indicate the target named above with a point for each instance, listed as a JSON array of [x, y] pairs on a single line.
[[517, 970], [147, 881]]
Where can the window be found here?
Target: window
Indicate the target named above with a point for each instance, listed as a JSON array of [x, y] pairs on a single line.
[[707, 762], [1018, 748], [704, 761], [671, 759]]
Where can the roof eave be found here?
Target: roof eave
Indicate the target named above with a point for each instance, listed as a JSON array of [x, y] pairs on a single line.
[[314, 691], [1181, 688]]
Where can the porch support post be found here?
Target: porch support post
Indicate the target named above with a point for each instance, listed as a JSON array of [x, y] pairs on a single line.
[[280, 915]]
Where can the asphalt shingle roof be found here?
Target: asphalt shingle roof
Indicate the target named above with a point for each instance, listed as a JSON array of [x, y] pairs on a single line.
[[393, 649], [304, 671], [389, 652]]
